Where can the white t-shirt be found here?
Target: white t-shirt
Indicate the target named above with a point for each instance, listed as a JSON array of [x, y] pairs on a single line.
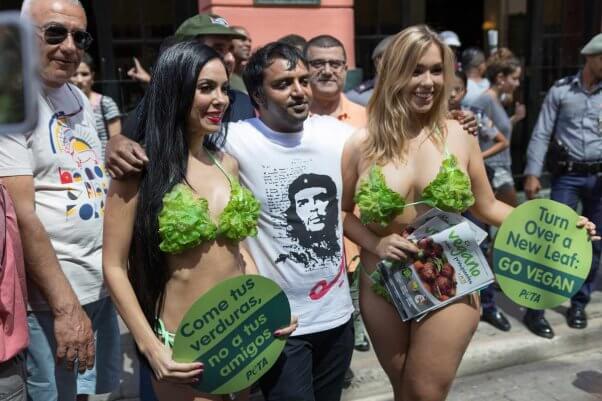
[[297, 179], [474, 90], [63, 154]]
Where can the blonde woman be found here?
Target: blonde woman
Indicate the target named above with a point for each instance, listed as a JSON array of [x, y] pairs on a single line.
[[408, 149]]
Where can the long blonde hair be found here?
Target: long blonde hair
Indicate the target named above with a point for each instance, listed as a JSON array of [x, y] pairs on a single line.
[[389, 113]]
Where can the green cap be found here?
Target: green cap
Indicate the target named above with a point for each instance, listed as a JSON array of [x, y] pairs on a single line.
[[206, 24], [594, 46]]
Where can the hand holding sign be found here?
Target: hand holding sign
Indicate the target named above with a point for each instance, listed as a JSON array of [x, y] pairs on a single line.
[[589, 227], [542, 254], [166, 369], [288, 330], [232, 330]]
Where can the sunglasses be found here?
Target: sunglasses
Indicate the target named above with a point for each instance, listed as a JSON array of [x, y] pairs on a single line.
[[56, 34]]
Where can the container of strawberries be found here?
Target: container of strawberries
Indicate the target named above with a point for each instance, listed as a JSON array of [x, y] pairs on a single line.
[[449, 266]]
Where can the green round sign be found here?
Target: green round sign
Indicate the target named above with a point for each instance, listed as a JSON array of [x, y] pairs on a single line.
[[230, 330], [540, 257]]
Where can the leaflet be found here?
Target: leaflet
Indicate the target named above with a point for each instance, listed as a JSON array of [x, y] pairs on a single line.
[[450, 265]]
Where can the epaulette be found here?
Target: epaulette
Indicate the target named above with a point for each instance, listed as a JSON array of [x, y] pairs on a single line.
[[364, 86], [564, 81]]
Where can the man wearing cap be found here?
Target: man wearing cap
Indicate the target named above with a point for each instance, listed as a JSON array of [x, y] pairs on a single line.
[[361, 94], [211, 30], [451, 39], [569, 129]]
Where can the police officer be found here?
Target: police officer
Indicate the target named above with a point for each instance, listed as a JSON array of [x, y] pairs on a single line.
[[569, 128], [361, 94]]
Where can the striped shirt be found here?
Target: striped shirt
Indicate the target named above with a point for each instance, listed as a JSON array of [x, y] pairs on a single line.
[[105, 111]]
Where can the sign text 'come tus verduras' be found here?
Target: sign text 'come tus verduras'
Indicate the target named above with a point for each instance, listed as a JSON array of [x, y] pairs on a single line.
[[230, 330]]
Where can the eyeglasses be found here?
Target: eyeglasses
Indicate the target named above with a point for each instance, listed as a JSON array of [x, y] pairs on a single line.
[[321, 63], [55, 34]]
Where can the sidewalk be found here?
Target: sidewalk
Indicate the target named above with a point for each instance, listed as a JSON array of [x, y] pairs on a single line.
[[489, 350]]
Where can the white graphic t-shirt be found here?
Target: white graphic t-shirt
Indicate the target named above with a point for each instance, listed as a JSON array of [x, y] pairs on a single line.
[[64, 156], [297, 179]]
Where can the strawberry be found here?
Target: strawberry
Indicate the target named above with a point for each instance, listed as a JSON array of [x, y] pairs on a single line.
[[444, 285], [447, 271]]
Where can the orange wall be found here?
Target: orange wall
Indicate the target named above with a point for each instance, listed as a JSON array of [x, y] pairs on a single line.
[[268, 23]]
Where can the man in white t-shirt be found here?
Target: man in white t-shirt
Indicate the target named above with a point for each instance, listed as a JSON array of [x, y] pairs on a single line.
[[292, 164], [297, 179], [57, 179]]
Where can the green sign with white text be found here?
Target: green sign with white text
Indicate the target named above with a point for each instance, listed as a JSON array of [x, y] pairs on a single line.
[[230, 330], [540, 257]]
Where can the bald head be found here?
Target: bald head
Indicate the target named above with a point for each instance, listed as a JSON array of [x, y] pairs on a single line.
[[59, 61], [27, 5]]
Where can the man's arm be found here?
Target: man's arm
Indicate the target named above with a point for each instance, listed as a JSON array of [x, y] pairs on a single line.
[[124, 157], [72, 327], [540, 140]]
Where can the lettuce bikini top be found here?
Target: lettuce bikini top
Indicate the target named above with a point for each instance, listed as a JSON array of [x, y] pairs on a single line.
[[184, 220], [450, 191]]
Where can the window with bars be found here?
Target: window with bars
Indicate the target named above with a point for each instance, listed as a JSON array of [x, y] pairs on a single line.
[[124, 30]]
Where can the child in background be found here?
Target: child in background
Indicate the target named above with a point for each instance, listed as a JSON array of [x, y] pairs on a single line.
[[491, 140]]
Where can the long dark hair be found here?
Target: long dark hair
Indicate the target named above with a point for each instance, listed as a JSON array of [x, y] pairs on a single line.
[[166, 106]]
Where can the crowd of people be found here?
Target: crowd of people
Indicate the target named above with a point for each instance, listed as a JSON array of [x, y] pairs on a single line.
[[268, 142]]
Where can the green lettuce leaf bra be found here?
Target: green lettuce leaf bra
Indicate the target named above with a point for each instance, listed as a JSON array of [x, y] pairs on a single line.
[[450, 191], [184, 220]]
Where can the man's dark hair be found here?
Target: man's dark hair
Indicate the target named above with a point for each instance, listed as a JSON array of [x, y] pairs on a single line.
[[264, 57], [294, 40], [462, 76], [472, 58], [324, 41], [166, 107], [239, 28], [168, 42]]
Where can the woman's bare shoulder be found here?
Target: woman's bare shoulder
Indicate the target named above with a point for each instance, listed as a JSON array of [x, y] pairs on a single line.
[[456, 133], [460, 141], [453, 126], [358, 138], [229, 162]]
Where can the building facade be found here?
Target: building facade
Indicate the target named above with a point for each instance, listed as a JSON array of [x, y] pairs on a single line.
[[545, 34]]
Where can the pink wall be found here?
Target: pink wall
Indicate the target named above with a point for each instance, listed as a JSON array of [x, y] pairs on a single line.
[[268, 23]]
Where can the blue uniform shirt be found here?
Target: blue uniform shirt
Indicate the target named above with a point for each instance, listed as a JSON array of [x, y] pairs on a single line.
[[575, 117], [362, 93]]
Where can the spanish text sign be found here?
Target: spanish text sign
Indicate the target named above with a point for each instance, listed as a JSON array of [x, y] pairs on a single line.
[[540, 257], [230, 330]]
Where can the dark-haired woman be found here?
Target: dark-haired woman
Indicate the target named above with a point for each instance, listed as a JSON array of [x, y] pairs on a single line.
[[173, 232]]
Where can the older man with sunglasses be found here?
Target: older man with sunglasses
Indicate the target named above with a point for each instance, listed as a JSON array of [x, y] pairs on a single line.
[[56, 176]]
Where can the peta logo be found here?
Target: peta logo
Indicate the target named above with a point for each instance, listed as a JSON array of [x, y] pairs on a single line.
[[219, 21]]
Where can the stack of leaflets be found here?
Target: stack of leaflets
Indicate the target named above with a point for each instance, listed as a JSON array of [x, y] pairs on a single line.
[[450, 265]]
